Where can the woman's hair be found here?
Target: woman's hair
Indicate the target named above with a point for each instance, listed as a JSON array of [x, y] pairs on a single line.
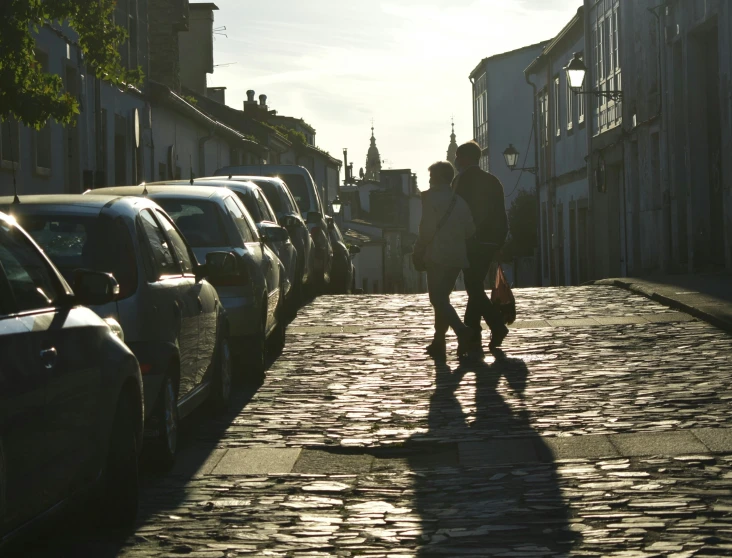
[[443, 170]]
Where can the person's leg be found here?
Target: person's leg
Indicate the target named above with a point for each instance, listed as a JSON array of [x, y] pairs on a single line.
[[479, 305], [444, 283], [436, 349]]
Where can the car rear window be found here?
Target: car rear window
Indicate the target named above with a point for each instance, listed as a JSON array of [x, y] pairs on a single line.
[[99, 243], [299, 188], [272, 192], [198, 220]]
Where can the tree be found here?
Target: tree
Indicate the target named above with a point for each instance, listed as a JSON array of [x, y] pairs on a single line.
[[32, 95], [522, 224]]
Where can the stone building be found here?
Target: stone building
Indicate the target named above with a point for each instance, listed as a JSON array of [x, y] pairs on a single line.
[[562, 170], [502, 107]]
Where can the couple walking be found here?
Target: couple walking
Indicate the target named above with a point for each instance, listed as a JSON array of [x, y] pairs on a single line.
[[463, 226]]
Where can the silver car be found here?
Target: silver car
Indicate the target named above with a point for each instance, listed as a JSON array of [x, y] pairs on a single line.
[[170, 317], [214, 220]]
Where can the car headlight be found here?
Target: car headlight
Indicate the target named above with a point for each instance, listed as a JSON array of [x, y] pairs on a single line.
[[116, 328]]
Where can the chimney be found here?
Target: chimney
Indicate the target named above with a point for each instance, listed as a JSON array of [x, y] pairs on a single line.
[[217, 94], [250, 105], [263, 102]]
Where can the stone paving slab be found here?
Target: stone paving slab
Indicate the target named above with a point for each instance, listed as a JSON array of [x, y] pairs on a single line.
[[658, 443], [257, 461], [718, 440]]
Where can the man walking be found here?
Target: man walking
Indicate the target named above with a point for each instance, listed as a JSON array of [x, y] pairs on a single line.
[[484, 194]]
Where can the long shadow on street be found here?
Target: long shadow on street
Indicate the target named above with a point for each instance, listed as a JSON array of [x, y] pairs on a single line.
[[504, 499]]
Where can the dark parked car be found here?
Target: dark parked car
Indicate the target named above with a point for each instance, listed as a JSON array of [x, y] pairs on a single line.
[[341, 281], [71, 404], [169, 316], [288, 215], [303, 188]]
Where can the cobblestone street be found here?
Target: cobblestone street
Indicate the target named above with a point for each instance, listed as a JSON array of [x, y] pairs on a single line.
[[604, 429]]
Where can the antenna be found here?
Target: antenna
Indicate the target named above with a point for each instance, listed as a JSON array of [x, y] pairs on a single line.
[[16, 199], [190, 167], [220, 31]]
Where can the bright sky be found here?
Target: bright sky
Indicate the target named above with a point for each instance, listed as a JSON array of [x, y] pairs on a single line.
[[404, 63]]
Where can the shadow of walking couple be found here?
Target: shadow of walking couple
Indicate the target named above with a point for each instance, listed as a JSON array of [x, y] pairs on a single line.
[[502, 497]]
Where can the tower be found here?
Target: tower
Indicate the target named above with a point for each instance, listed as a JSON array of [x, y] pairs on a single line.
[[373, 160], [452, 149]]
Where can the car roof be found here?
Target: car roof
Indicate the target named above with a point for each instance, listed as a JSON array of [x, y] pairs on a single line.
[[268, 170], [248, 178], [167, 190], [90, 204]]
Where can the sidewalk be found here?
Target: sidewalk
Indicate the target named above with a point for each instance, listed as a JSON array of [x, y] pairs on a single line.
[[704, 296]]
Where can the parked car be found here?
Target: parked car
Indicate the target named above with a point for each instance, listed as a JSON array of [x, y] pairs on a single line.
[[288, 215], [169, 316], [253, 288], [303, 189], [264, 218], [343, 271], [71, 403]]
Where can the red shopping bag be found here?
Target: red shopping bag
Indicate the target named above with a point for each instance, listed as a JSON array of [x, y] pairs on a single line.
[[502, 297]]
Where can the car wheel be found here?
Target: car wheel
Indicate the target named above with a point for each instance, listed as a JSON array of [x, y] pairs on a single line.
[[165, 418], [121, 480], [277, 339], [221, 393]]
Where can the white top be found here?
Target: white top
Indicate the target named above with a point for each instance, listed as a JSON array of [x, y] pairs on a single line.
[[448, 245]]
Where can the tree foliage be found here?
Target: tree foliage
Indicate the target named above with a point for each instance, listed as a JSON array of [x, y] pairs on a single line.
[[522, 221], [32, 95]]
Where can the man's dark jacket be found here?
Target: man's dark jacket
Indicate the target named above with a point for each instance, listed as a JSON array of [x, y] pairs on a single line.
[[484, 194]]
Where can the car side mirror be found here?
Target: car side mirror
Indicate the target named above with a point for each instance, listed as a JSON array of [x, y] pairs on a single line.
[[93, 288], [353, 250], [314, 217], [274, 233]]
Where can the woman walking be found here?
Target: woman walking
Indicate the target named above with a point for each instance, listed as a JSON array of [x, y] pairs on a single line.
[[446, 224]]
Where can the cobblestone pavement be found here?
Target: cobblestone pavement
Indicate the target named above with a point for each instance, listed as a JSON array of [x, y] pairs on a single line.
[[375, 451]]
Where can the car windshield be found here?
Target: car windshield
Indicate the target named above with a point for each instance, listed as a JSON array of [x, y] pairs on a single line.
[[272, 192], [199, 221], [98, 243], [299, 188]]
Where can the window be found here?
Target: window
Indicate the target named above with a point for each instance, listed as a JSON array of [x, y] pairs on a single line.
[[9, 144], [272, 193], [264, 208], [606, 64], [299, 188], [42, 137], [238, 213], [198, 220], [557, 118], [29, 277], [97, 243], [163, 261], [247, 199], [570, 107], [179, 245]]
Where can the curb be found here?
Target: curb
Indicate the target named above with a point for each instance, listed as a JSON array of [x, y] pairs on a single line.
[[716, 321]]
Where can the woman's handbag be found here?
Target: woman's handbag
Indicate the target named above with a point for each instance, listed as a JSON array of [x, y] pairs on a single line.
[[503, 298], [418, 256]]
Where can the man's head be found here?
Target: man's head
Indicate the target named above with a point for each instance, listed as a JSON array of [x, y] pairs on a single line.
[[441, 174], [467, 155]]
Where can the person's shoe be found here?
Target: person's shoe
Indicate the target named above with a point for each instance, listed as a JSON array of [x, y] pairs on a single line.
[[469, 342], [437, 350], [497, 337]]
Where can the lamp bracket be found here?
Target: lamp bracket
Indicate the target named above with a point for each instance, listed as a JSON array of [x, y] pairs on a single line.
[[614, 95], [532, 170]]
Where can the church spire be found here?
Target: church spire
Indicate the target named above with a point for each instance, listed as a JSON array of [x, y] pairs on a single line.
[[373, 160], [452, 149]]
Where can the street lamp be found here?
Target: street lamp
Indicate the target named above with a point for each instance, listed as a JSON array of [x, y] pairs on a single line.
[[511, 156], [336, 204], [576, 72]]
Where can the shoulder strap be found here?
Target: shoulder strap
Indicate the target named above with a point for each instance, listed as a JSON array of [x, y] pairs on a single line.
[[445, 217]]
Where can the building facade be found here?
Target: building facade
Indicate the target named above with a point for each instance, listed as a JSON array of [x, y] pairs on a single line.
[[502, 108], [561, 121]]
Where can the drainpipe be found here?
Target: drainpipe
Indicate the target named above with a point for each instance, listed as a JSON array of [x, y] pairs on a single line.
[[537, 179], [202, 152]]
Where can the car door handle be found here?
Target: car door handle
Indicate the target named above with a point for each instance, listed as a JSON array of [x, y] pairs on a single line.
[[48, 358]]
